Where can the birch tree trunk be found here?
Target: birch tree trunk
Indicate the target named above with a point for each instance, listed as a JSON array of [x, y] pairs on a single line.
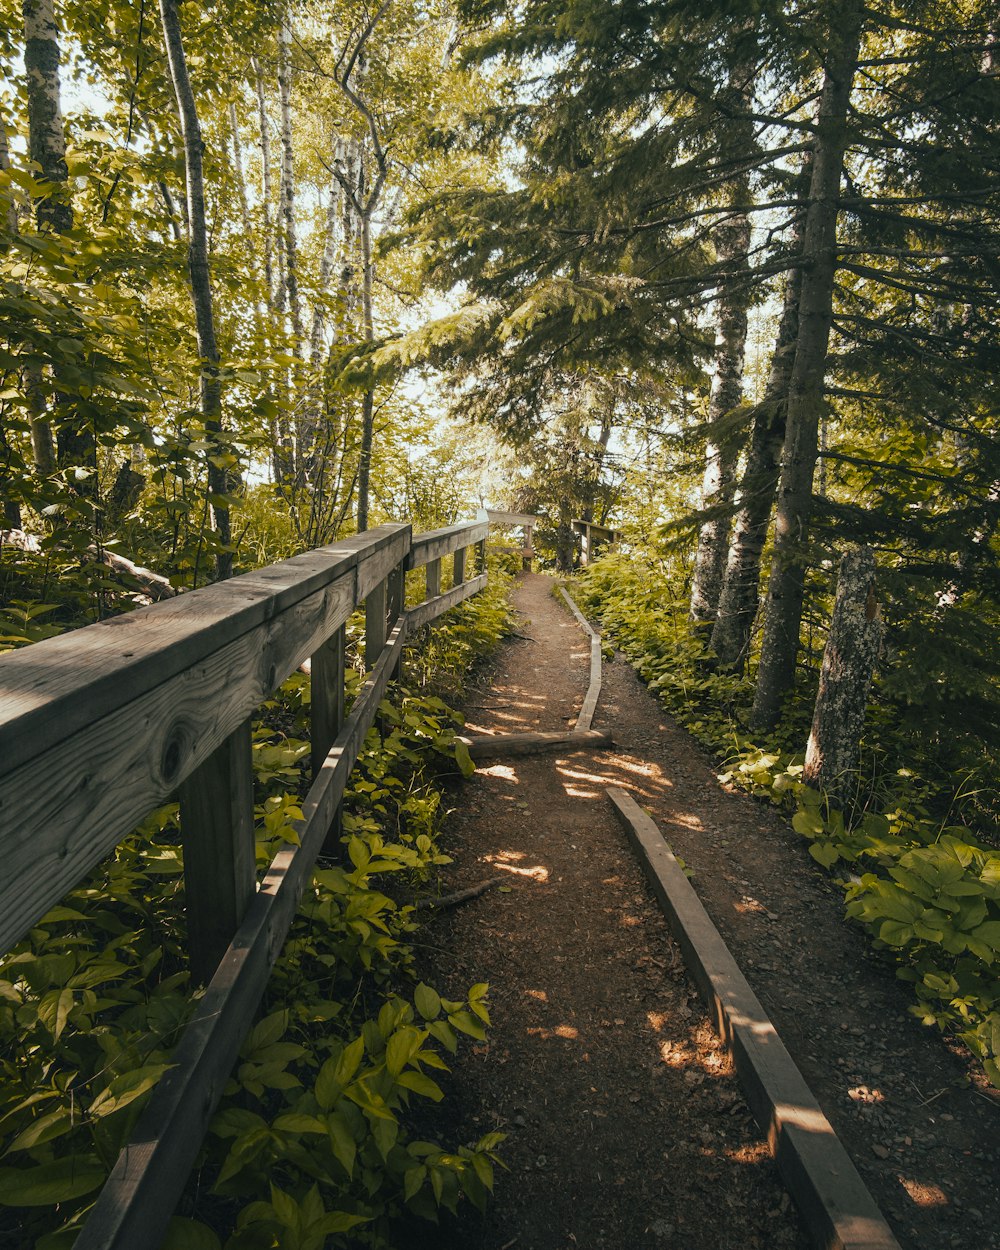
[[46, 136], [280, 440], [783, 616], [11, 509], [47, 149], [368, 400], [241, 182], [849, 659], [740, 591], [267, 191], [288, 237], [201, 283]]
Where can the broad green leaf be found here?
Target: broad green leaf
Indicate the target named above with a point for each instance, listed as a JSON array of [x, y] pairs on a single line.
[[401, 1047], [49, 1183], [127, 1088], [54, 1009], [350, 1060], [342, 1141], [420, 1084], [463, 759], [428, 1001], [45, 1128], [824, 853]]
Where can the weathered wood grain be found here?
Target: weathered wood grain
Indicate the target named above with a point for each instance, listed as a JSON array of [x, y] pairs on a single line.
[[376, 621], [458, 575], [220, 873], [326, 709], [437, 543], [836, 1206], [431, 609], [54, 688], [135, 1205], [586, 717], [433, 570]]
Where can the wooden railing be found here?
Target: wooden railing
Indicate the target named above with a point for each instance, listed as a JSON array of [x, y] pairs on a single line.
[[101, 726]]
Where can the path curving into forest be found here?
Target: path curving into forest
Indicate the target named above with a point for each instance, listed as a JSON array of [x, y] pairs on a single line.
[[626, 1126]]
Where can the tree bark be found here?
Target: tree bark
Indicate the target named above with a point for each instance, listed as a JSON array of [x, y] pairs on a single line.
[[6, 201], [288, 237], [267, 191], [783, 617], [849, 659], [368, 400], [732, 243], [740, 590], [46, 136], [199, 272], [723, 447]]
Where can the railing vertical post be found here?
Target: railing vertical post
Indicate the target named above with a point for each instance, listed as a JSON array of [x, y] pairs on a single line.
[[459, 566], [397, 605], [433, 568], [375, 624], [327, 713], [218, 840], [481, 548]]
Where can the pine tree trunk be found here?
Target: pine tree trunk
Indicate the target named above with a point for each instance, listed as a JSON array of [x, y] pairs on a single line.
[[726, 395], [779, 650], [732, 242], [740, 591], [200, 279], [849, 659]]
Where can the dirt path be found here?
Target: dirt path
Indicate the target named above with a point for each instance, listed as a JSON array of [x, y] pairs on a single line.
[[625, 1124]]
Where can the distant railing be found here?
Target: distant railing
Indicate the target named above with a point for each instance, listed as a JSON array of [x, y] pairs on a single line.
[[101, 726]]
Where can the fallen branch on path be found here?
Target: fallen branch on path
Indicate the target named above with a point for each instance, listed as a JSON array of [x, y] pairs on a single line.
[[460, 896]]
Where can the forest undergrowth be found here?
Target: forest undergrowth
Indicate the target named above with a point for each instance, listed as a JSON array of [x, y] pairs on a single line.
[[311, 1145], [917, 861]]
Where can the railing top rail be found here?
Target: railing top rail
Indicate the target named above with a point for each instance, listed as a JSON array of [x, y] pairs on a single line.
[[437, 543], [52, 689]]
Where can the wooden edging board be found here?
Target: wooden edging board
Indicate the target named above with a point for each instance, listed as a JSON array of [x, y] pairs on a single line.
[[586, 717], [485, 746], [836, 1207]]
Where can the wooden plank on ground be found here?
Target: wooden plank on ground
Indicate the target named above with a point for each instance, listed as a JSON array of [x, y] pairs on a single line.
[[140, 1194], [487, 746], [836, 1206], [586, 718]]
